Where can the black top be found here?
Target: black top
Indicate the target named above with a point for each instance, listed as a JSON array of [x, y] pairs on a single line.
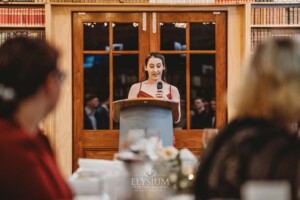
[[102, 119], [247, 149]]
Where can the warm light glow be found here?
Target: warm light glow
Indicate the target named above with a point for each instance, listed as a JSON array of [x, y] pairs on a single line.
[[191, 177], [180, 25]]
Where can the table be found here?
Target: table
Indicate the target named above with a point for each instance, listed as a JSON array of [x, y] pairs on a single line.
[[113, 180]]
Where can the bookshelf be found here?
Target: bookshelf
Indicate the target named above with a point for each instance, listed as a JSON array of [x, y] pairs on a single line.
[[279, 19], [21, 18]]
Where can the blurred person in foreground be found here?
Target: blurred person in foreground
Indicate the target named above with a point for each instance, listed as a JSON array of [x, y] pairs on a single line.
[[258, 143], [30, 83]]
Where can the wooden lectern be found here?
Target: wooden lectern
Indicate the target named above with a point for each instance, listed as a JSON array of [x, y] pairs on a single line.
[[146, 113]]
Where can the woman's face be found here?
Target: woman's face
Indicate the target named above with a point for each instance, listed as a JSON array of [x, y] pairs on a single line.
[[155, 68]]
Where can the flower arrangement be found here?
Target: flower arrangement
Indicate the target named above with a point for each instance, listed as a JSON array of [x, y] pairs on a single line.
[[180, 167]]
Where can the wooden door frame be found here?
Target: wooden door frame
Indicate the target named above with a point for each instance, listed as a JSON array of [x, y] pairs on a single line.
[[84, 140], [85, 146], [220, 53], [189, 137]]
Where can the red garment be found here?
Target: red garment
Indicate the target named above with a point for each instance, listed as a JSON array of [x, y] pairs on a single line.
[[144, 94], [27, 167]]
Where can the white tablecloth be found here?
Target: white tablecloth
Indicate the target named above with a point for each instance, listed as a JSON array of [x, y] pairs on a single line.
[[107, 180]]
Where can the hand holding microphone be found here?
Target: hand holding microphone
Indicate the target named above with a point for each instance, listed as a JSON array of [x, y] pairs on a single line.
[[159, 93]]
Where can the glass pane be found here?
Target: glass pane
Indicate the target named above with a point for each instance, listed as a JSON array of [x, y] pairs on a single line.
[[202, 36], [203, 91], [172, 36], [176, 75], [125, 36], [125, 74], [95, 36], [96, 91]]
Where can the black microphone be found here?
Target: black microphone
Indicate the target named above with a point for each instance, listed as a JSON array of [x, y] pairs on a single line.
[[159, 85]]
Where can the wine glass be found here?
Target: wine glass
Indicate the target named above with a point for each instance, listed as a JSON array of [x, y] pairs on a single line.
[[134, 141], [207, 135], [154, 143]]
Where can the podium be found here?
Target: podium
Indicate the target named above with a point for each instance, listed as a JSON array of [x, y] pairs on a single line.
[[146, 113]]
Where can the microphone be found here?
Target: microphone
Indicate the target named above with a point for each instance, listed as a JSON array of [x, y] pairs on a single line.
[[159, 85]]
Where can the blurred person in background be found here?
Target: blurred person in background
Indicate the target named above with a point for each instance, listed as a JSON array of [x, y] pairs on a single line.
[[91, 114], [200, 115], [103, 111], [258, 144], [212, 113], [30, 84]]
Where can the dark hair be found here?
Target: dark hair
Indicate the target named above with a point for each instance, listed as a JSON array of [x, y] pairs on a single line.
[[25, 64], [163, 60], [201, 98], [248, 149], [88, 97]]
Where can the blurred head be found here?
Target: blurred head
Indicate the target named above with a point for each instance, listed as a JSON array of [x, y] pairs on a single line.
[[213, 104], [254, 153], [91, 101], [25, 66], [155, 66], [199, 104], [270, 86]]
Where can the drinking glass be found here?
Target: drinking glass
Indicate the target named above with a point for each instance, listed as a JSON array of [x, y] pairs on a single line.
[[135, 141], [154, 143]]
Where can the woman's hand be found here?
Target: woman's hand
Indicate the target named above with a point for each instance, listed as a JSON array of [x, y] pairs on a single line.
[[161, 95]]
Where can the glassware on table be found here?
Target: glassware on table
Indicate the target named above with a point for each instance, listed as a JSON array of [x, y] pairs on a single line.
[[207, 135], [136, 140], [133, 147], [154, 143]]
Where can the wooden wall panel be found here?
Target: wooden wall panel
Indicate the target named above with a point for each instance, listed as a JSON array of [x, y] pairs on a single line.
[[61, 123], [236, 49], [107, 154]]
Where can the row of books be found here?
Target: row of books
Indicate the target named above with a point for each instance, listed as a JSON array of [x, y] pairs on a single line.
[[260, 34], [102, 1], [153, 1], [26, 1], [221, 1], [22, 33], [279, 1], [172, 1], [22, 16], [275, 15], [199, 1]]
